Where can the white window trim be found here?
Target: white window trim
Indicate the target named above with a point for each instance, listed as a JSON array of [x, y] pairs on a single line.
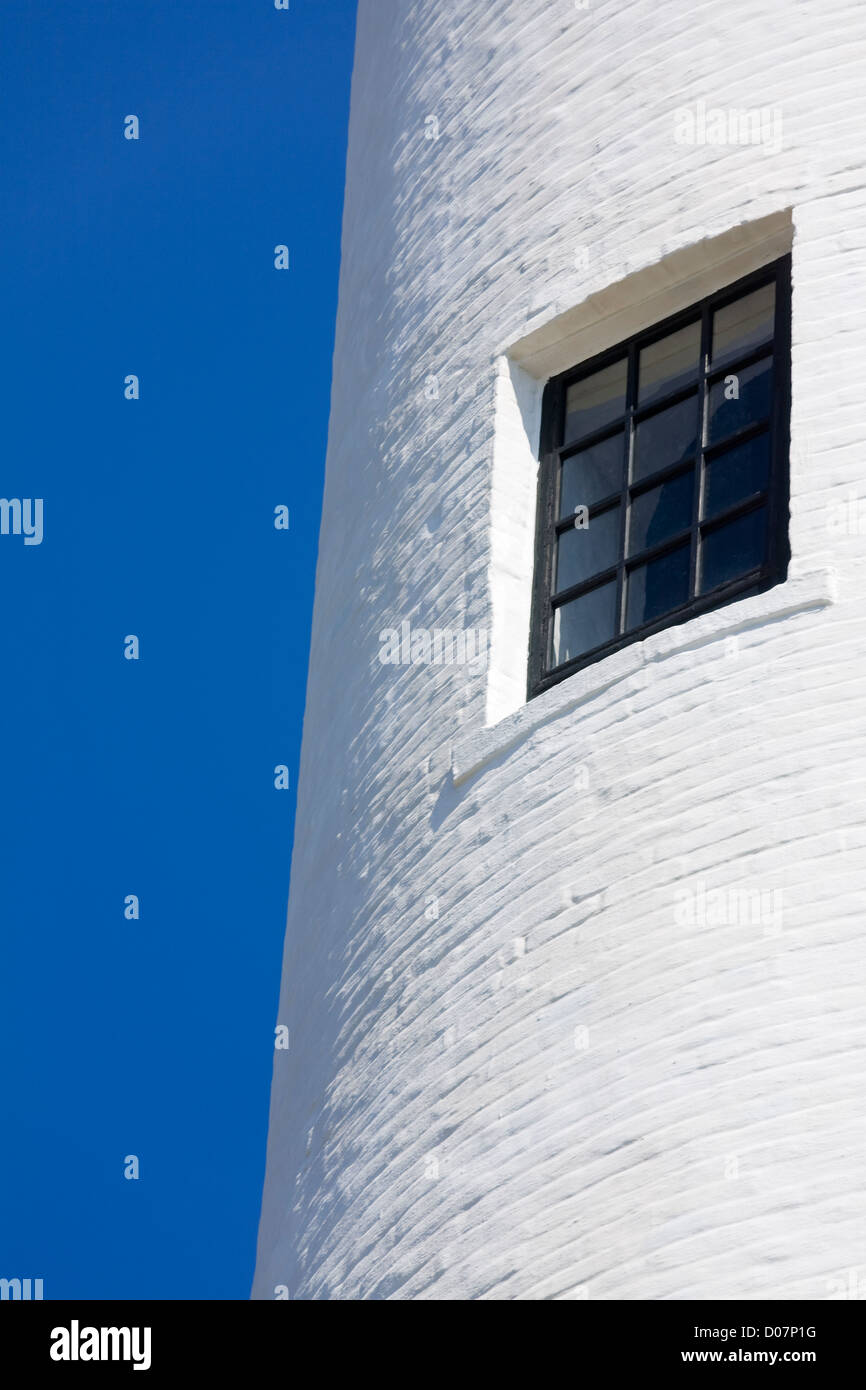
[[609, 314]]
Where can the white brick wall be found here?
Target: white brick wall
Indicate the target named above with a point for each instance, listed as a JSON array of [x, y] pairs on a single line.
[[575, 1081]]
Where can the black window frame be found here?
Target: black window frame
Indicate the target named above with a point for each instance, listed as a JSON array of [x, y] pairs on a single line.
[[554, 448]]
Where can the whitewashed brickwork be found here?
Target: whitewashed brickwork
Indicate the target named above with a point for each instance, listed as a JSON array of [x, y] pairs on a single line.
[[576, 991]]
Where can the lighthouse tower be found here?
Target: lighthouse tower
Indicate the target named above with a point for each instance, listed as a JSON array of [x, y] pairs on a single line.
[[575, 963]]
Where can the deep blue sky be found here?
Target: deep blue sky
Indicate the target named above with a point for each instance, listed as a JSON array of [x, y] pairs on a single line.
[[156, 777]]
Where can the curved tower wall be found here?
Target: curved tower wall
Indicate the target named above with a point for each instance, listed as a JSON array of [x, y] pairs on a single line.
[[526, 1061]]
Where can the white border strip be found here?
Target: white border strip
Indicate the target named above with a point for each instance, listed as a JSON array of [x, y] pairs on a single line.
[[471, 753]]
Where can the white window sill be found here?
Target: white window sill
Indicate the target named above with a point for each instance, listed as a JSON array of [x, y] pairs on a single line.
[[799, 594]]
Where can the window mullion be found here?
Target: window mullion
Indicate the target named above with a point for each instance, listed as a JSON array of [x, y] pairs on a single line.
[[698, 489], [628, 430], [777, 552], [552, 498]]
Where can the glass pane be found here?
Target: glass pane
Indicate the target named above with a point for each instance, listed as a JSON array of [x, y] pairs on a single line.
[[657, 515], [581, 553], [733, 476], [733, 549], [658, 586], [596, 401], [668, 364], [591, 475], [584, 623], [669, 437], [746, 322], [749, 391]]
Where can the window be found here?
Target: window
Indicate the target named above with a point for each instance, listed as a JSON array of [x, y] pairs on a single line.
[[663, 488]]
